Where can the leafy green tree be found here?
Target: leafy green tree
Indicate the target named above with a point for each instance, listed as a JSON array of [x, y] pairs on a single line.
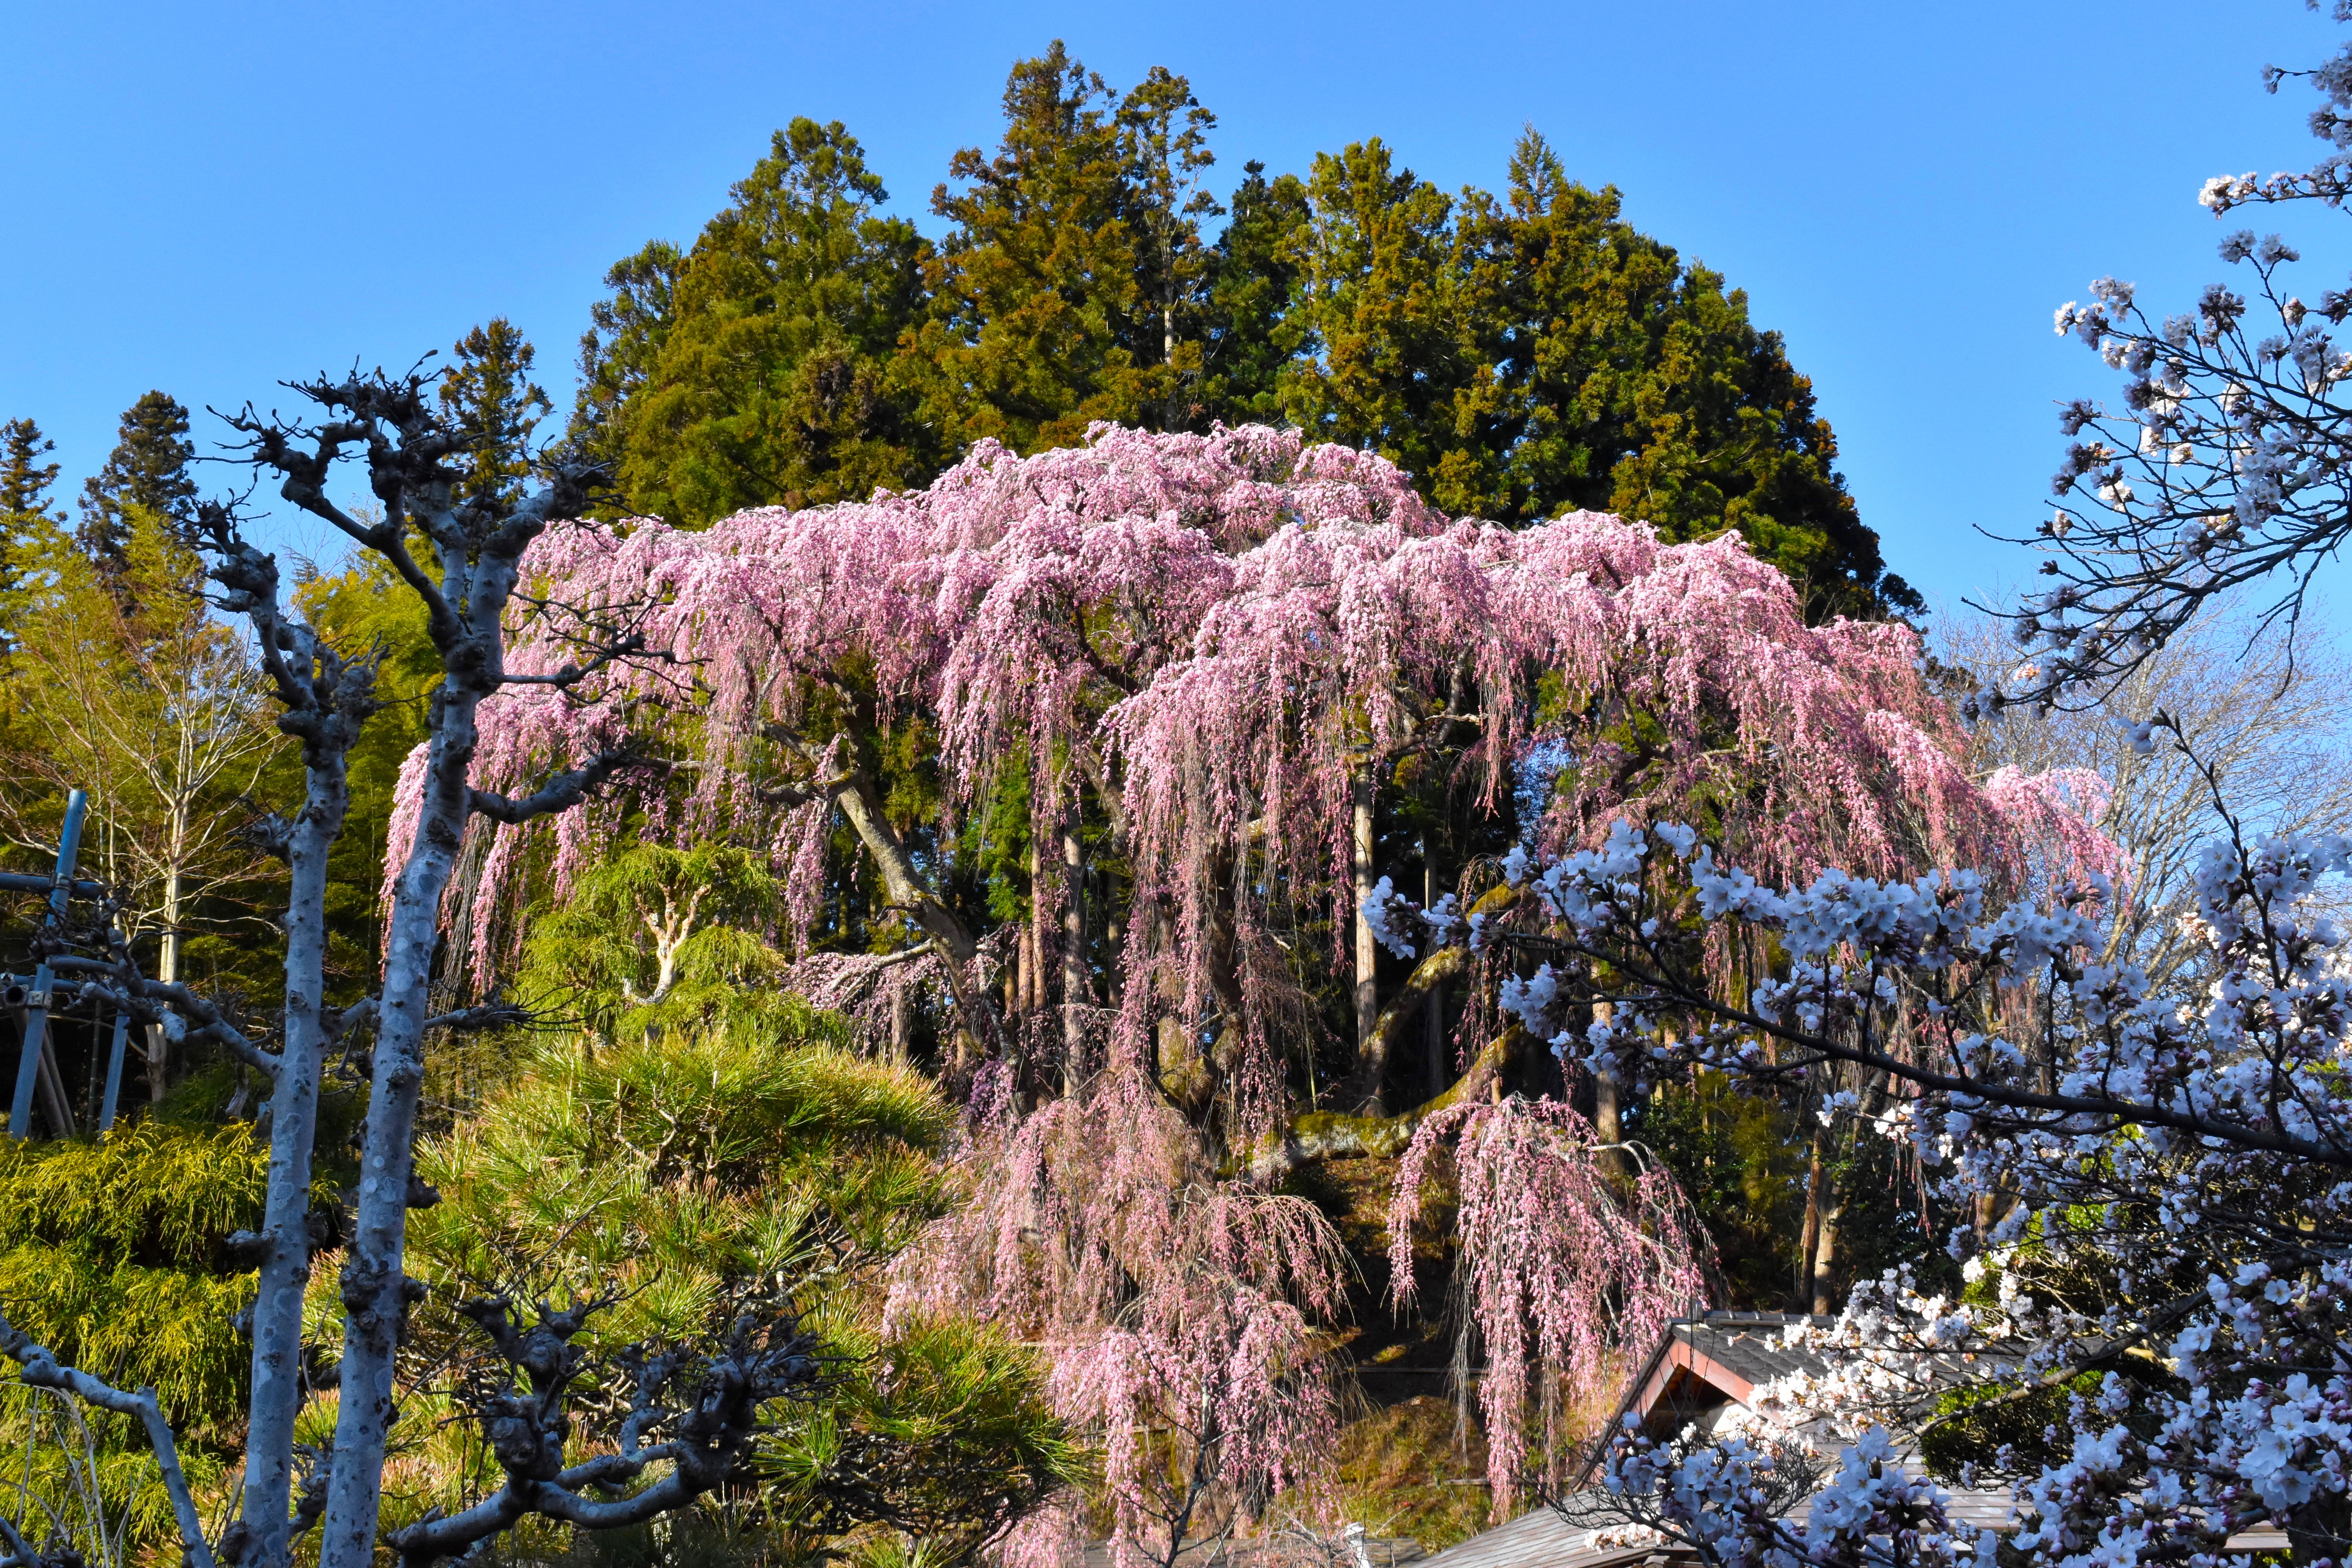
[[1379, 362], [127, 686], [494, 405], [1042, 318], [659, 939], [617, 352], [24, 480], [1250, 332], [148, 469], [1164, 136], [26, 524], [758, 368], [1628, 382], [678, 1173]]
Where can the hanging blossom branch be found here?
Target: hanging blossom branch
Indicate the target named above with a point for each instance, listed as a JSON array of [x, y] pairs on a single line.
[[1566, 1259], [2229, 460], [2185, 1148]]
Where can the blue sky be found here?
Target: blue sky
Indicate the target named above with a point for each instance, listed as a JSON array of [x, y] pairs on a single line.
[[208, 198]]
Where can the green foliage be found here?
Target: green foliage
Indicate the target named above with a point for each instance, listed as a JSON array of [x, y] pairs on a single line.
[[681, 1170], [757, 368], [659, 939], [1522, 354], [1040, 320], [148, 469], [490, 396], [1376, 302], [113, 1261], [24, 480], [24, 516], [941, 1431], [675, 1169], [1740, 1159]]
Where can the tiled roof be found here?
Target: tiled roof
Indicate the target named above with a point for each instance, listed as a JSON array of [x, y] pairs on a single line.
[[1543, 1539]]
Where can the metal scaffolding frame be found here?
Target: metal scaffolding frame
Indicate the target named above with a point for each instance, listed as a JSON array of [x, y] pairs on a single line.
[[33, 997]]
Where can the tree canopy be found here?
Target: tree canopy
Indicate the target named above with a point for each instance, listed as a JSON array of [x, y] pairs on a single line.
[[1521, 355]]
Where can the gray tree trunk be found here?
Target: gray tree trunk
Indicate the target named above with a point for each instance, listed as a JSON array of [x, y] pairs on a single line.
[[277, 1394]]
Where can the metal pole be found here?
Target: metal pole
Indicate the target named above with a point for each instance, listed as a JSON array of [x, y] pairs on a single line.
[[114, 1071], [35, 1031]]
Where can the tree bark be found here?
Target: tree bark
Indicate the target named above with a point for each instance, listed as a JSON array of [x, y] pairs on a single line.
[[1433, 1010], [277, 1392], [1816, 1175], [1078, 991], [375, 1284], [1825, 1254], [1371, 1054]]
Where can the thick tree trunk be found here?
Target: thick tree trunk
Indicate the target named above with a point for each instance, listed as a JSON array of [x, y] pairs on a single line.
[[1824, 1282], [374, 1285], [1816, 1176], [1372, 1055], [1434, 1028], [277, 1392], [1077, 991]]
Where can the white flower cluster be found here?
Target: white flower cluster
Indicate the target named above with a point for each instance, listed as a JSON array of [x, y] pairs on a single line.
[[2187, 1147]]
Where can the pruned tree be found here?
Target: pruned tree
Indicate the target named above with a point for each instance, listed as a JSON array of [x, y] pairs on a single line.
[[705, 1399]]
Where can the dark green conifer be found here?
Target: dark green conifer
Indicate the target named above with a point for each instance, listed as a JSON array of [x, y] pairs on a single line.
[[24, 480], [1251, 336], [490, 395], [621, 347], [149, 468], [758, 369], [1041, 323]]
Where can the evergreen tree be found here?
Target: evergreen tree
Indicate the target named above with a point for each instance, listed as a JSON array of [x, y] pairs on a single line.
[[621, 346], [1041, 322], [1623, 380], [24, 480], [758, 369], [27, 527], [1251, 335], [1379, 362], [1163, 135], [148, 469], [495, 405]]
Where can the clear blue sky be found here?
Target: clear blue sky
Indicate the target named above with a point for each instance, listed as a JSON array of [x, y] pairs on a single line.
[[210, 197]]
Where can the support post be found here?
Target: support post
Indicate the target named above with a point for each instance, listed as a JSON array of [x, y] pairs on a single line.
[[114, 1071], [35, 1031]]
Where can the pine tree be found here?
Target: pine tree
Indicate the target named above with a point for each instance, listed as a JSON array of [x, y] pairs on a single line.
[[149, 468], [620, 348], [1163, 135], [23, 481], [495, 405], [758, 368], [25, 520], [1251, 335]]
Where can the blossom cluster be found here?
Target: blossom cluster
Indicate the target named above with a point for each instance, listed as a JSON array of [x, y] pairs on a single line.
[[2187, 1147]]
